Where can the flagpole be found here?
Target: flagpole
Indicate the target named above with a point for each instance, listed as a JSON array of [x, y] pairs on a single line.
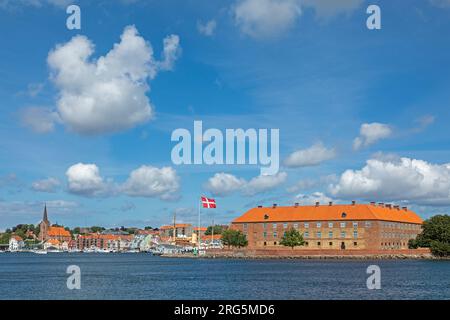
[[198, 230]]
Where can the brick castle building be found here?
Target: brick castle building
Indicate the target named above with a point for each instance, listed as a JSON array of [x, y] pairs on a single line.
[[337, 227]]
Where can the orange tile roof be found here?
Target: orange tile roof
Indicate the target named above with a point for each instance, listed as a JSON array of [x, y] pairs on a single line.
[[58, 232], [17, 238], [209, 237], [200, 228], [178, 225], [327, 212], [54, 241]]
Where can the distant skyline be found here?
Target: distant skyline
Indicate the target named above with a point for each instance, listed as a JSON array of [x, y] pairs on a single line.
[[87, 115]]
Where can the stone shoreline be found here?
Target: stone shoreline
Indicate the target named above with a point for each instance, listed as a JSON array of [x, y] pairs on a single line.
[[425, 256]]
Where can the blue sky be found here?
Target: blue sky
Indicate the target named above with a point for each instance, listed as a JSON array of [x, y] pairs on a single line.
[[362, 113]]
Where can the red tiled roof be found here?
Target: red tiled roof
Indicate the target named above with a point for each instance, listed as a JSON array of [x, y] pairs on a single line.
[[329, 212], [58, 232]]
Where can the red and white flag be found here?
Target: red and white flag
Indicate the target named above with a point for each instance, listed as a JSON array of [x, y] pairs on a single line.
[[208, 203]]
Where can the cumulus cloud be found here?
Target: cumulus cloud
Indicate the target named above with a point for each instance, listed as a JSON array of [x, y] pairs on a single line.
[[408, 180], [309, 199], [148, 181], [145, 181], [208, 28], [311, 156], [46, 185], [85, 179], [223, 184], [370, 133], [107, 94], [39, 119], [266, 18]]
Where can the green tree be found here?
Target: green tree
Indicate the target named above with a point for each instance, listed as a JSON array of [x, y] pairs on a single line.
[[95, 229], [217, 230], [234, 238], [292, 238], [435, 235]]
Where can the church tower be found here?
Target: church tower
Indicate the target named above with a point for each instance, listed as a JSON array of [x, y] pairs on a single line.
[[43, 226]]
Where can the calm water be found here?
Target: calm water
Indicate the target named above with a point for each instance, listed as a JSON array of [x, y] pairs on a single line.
[[141, 276]]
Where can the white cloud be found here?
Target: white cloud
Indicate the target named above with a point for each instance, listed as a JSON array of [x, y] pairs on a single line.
[[263, 183], [148, 181], [370, 133], [208, 28], [269, 18], [408, 180], [38, 119], [107, 94], [46, 185], [145, 181], [311, 156], [223, 184], [309, 199], [84, 179], [265, 18]]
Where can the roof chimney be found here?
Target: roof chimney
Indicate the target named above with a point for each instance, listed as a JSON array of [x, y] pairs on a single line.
[[353, 202], [381, 204], [405, 208], [274, 205], [389, 206], [372, 203], [296, 204], [330, 203], [260, 206], [397, 207], [317, 203]]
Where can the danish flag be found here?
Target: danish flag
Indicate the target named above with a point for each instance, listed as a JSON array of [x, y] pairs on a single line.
[[208, 203]]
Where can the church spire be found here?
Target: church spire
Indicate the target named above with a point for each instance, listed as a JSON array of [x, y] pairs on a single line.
[[45, 218]]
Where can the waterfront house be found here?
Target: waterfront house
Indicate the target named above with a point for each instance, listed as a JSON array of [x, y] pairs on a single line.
[[332, 226], [15, 243]]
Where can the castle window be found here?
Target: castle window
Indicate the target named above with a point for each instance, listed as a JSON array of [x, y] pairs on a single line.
[[285, 225], [330, 234], [295, 225], [306, 225], [342, 224], [319, 234], [275, 234], [319, 225], [343, 234], [355, 234], [330, 224], [330, 243], [343, 215], [355, 224], [306, 234], [274, 225], [318, 243]]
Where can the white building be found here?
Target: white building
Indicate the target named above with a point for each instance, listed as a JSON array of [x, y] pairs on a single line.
[[15, 243]]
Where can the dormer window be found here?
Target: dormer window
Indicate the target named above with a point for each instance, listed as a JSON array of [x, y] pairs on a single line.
[[343, 215]]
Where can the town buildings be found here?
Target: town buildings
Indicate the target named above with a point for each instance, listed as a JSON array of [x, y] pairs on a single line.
[[332, 226]]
